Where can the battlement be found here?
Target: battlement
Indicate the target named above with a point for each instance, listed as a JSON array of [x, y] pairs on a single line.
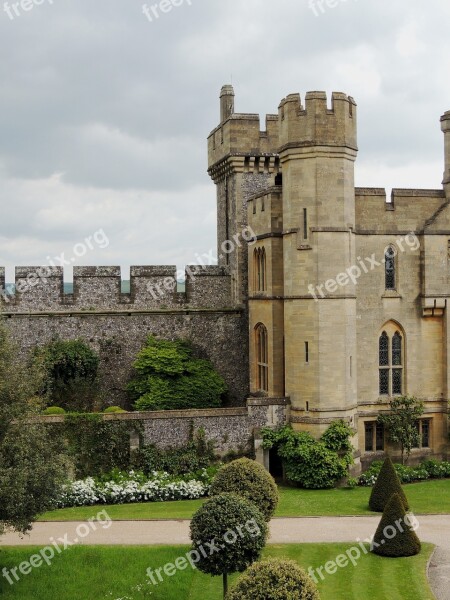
[[241, 135], [41, 289], [315, 124]]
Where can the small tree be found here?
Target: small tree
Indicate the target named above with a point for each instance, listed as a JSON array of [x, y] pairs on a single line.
[[250, 480], [387, 484], [169, 377], [274, 579], [395, 536], [31, 460], [237, 529], [401, 423]]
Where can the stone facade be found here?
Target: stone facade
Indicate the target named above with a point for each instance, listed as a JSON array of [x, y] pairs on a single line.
[[323, 284]]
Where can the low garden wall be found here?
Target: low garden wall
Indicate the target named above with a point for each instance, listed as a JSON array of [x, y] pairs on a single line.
[[231, 429]]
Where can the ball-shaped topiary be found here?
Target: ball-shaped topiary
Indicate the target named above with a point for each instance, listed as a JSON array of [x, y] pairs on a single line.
[[54, 410], [228, 534], [387, 484], [250, 480], [274, 579], [114, 409], [395, 535]]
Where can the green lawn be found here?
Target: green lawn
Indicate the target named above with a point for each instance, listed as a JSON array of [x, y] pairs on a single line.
[[427, 497], [96, 573]]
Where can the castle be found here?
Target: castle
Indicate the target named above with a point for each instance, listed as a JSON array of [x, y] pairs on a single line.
[[337, 303], [347, 292]]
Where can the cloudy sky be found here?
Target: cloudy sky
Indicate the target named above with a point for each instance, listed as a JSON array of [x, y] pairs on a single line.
[[104, 114]]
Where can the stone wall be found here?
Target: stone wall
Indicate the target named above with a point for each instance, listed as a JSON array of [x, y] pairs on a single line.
[[231, 429]]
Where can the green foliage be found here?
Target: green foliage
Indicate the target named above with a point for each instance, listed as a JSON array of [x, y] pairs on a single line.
[[169, 377], [405, 541], [238, 529], [385, 486], [95, 445], [54, 410], [114, 409], [274, 579], [71, 370], [32, 467], [311, 463], [428, 469], [196, 455], [251, 481], [401, 423]]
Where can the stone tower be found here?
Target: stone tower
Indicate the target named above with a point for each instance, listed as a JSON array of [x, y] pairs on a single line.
[[241, 162], [305, 229]]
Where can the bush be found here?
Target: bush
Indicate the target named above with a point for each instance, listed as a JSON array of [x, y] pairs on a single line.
[[114, 409], [70, 374], [274, 580], [238, 529], [311, 463], [249, 480], [169, 377], [405, 541], [54, 410], [197, 454], [386, 485], [428, 469]]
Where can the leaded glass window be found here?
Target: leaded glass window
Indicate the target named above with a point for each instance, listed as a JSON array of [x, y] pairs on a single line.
[[262, 358], [389, 269], [390, 355]]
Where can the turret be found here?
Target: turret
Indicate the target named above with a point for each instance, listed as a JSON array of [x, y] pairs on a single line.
[[226, 102], [445, 125]]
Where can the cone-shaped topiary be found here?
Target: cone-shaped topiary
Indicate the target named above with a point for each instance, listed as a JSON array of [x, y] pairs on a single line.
[[274, 580], [395, 536], [250, 480], [387, 483]]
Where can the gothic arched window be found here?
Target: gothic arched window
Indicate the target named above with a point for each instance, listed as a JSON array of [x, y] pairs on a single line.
[[262, 358], [389, 268], [390, 361]]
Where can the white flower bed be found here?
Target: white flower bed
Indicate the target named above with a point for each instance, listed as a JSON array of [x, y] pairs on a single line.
[[160, 488]]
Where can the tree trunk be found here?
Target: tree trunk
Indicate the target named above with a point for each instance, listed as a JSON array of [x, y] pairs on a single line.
[[225, 584]]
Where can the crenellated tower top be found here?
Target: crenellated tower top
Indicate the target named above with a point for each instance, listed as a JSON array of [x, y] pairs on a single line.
[[315, 124]]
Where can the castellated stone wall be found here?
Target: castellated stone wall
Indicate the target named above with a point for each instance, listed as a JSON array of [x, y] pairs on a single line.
[[116, 325]]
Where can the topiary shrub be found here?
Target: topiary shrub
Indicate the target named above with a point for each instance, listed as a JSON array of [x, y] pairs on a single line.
[[387, 483], [54, 410], [395, 536], [114, 409], [237, 529], [274, 579], [250, 480]]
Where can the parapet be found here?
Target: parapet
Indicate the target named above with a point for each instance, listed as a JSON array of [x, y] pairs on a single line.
[[41, 289], [315, 124], [241, 135]]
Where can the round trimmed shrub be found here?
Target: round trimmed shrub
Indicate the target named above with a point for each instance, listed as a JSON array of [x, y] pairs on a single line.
[[114, 409], [54, 410], [237, 529], [274, 580], [250, 480], [395, 537], [387, 484]]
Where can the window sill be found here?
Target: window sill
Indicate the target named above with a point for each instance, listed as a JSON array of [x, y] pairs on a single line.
[[391, 294]]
